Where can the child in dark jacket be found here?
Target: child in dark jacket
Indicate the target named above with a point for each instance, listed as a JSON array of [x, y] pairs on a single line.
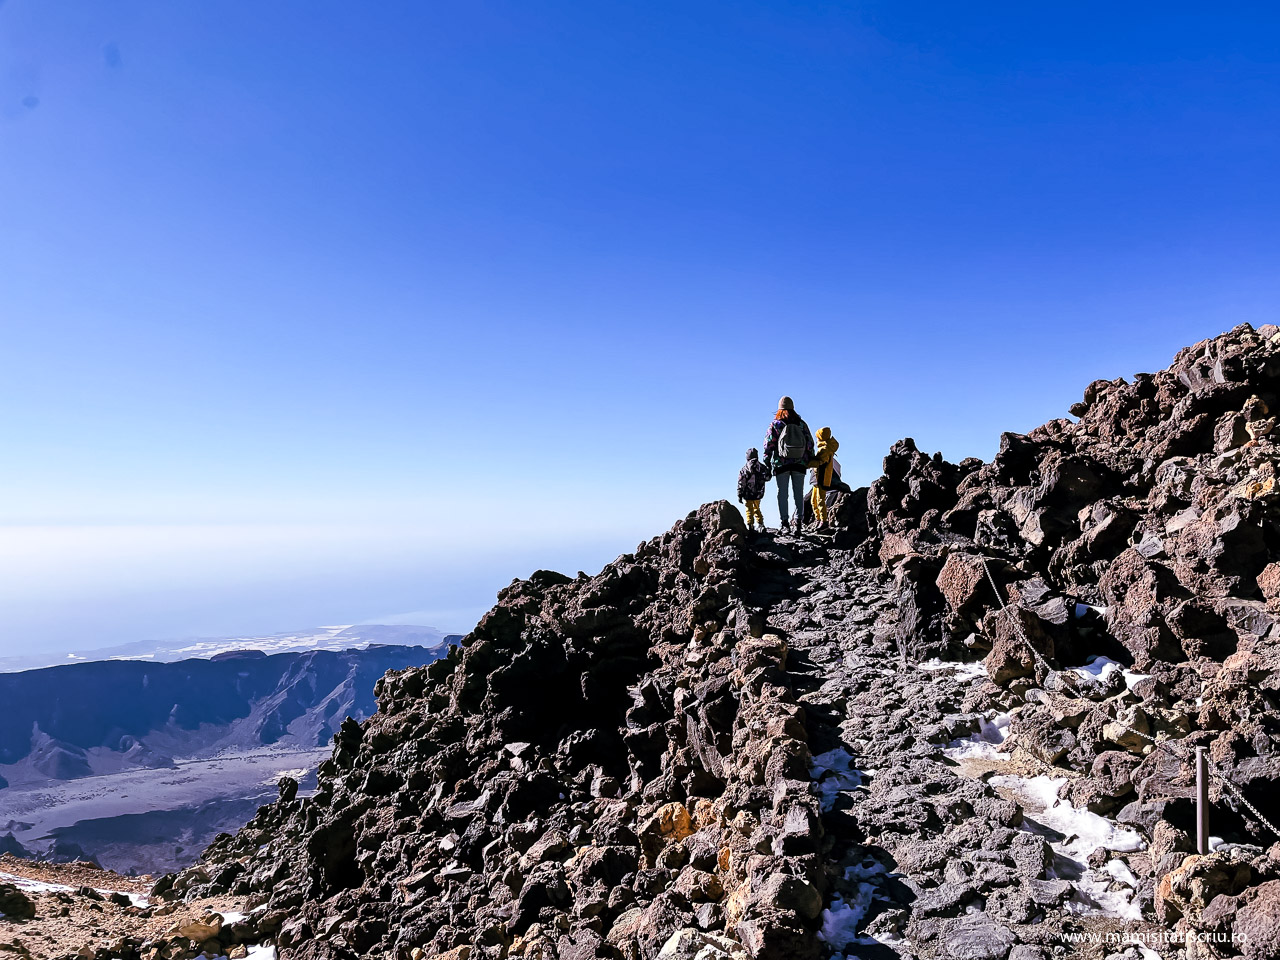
[[751, 480]]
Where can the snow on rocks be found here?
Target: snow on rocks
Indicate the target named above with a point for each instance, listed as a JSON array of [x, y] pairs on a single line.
[[1108, 891], [833, 772], [843, 919], [1083, 831], [972, 670], [1102, 668], [1083, 610], [993, 730], [27, 885]]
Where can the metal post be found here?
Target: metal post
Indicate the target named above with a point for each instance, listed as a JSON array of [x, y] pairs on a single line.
[[1202, 801]]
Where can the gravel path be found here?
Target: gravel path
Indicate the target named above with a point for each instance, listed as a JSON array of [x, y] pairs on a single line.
[[937, 852]]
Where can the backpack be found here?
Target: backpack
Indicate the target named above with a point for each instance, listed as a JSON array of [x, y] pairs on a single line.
[[791, 445], [836, 482]]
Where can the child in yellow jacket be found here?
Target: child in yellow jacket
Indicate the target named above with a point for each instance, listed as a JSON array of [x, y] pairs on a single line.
[[823, 473]]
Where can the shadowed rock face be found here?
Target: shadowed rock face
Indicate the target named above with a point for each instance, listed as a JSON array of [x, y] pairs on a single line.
[[614, 765]]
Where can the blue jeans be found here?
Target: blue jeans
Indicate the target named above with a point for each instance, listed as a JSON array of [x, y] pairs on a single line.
[[796, 478]]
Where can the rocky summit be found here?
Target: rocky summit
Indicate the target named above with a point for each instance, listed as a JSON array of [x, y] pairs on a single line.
[[962, 726]]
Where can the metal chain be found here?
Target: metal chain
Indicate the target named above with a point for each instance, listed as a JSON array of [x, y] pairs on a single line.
[[1017, 625], [1214, 771], [1166, 744]]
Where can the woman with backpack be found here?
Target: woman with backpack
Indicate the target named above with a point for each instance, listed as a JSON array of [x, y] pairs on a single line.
[[788, 448]]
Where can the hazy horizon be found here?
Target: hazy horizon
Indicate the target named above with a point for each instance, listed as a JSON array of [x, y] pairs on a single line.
[[316, 312]]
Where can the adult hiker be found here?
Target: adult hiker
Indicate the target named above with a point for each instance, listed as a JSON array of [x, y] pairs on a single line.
[[824, 474], [788, 448], [751, 481]]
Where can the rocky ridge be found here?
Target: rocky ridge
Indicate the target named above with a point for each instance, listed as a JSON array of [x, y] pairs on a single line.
[[734, 746]]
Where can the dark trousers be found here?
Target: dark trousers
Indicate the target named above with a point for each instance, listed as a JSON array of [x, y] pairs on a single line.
[[794, 479]]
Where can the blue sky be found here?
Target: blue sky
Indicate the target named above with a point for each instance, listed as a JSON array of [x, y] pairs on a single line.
[[330, 312]]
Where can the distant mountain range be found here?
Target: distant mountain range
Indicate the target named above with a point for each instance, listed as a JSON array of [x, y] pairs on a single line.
[[139, 761], [346, 637]]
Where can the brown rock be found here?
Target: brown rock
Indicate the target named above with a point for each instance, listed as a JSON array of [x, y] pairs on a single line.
[[1136, 591], [1269, 584], [1010, 657], [200, 930], [1257, 922], [1186, 891], [963, 583]]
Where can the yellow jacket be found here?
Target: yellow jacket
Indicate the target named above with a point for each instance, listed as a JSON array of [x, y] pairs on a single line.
[[823, 454]]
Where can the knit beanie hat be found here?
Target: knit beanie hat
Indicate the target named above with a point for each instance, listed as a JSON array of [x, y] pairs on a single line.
[[786, 404]]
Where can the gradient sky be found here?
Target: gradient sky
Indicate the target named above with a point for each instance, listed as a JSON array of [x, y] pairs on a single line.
[[322, 312]]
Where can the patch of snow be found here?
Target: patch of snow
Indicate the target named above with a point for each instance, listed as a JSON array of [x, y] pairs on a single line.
[[1131, 679], [233, 916], [1101, 668], [1094, 896], [865, 870], [1098, 668], [1082, 832], [1120, 871], [992, 731], [834, 772], [971, 670], [41, 886], [1215, 843], [841, 920], [34, 886]]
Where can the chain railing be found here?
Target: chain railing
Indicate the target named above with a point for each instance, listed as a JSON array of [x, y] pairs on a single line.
[[1166, 744]]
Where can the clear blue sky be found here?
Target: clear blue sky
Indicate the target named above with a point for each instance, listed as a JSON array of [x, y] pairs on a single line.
[[328, 312]]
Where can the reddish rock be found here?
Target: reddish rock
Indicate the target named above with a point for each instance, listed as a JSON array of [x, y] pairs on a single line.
[[1257, 922], [1010, 657], [963, 583], [1269, 584]]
